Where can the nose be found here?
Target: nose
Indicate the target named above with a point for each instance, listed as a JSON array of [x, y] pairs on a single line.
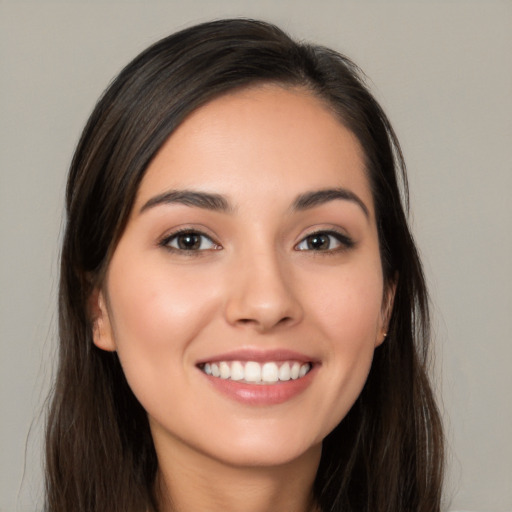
[[262, 295]]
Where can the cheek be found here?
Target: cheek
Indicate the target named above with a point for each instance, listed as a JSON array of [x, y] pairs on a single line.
[[156, 312], [154, 301], [348, 305], [348, 313]]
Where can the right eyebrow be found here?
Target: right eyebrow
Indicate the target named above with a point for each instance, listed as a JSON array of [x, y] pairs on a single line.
[[205, 200]]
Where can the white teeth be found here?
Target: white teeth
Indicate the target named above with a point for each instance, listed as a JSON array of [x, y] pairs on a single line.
[[252, 372], [284, 372], [256, 373], [237, 371], [303, 370], [225, 371], [270, 372], [294, 373]]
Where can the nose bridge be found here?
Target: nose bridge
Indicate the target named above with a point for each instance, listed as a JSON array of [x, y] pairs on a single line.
[[261, 289]]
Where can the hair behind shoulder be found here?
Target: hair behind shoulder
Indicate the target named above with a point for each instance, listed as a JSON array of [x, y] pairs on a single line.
[[387, 454]]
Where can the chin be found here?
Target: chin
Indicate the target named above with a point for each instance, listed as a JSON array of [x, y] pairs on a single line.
[[265, 455], [266, 446]]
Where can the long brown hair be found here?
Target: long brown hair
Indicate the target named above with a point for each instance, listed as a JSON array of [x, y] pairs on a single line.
[[387, 453]]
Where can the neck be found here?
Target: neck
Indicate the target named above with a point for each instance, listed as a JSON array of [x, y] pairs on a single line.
[[196, 482]]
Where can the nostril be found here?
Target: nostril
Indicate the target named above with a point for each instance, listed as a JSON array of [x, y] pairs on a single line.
[[262, 307], [254, 321]]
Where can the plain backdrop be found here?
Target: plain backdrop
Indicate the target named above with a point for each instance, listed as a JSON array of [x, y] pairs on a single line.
[[442, 71]]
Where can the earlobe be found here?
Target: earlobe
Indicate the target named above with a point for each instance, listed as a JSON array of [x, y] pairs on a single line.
[[381, 337], [100, 322]]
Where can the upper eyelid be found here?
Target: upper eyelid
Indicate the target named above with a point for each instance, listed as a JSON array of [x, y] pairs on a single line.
[[333, 232], [200, 230], [327, 228], [164, 240]]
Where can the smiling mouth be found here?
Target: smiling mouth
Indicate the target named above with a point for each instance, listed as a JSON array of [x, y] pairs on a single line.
[[252, 372]]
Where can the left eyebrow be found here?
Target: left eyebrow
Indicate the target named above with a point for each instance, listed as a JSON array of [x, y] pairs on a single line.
[[318, 197]]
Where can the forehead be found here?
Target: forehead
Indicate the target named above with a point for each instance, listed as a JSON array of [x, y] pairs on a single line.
[[259, 141]]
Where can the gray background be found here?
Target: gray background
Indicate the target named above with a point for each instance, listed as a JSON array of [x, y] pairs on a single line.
[[443, 72]]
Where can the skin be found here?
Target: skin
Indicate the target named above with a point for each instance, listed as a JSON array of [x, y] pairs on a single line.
[[254, 283]]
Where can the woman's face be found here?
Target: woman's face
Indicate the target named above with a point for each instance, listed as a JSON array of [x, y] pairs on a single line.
[[245, 297]]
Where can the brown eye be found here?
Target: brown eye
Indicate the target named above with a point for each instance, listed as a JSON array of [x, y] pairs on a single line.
[[318, 242], [189, 241], [325, 241]]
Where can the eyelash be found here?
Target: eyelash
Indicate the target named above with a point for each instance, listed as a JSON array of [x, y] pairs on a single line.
[[345, 242], [165, 242]]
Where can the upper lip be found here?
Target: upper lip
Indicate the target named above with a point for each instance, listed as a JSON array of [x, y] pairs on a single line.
[[259, 356]]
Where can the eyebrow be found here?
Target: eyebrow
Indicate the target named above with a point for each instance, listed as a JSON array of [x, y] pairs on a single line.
[[204, 200], [319, 197], [219, 203]]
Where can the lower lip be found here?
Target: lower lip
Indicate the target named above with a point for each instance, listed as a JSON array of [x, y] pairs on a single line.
[[262, 394]]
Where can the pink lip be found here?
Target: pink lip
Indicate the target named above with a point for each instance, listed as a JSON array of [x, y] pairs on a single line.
[[259, 356], [262, 394]]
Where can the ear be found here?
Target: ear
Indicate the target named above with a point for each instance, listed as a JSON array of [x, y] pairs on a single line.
[[101, 327], [387, 310]]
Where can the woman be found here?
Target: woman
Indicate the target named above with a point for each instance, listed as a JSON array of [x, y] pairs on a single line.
[[243, 314]]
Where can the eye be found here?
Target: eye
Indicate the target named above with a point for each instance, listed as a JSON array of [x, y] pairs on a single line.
[[325, 241], [189, 240]]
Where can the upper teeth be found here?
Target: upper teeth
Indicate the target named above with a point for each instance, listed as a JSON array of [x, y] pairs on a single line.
[[254, 372]]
